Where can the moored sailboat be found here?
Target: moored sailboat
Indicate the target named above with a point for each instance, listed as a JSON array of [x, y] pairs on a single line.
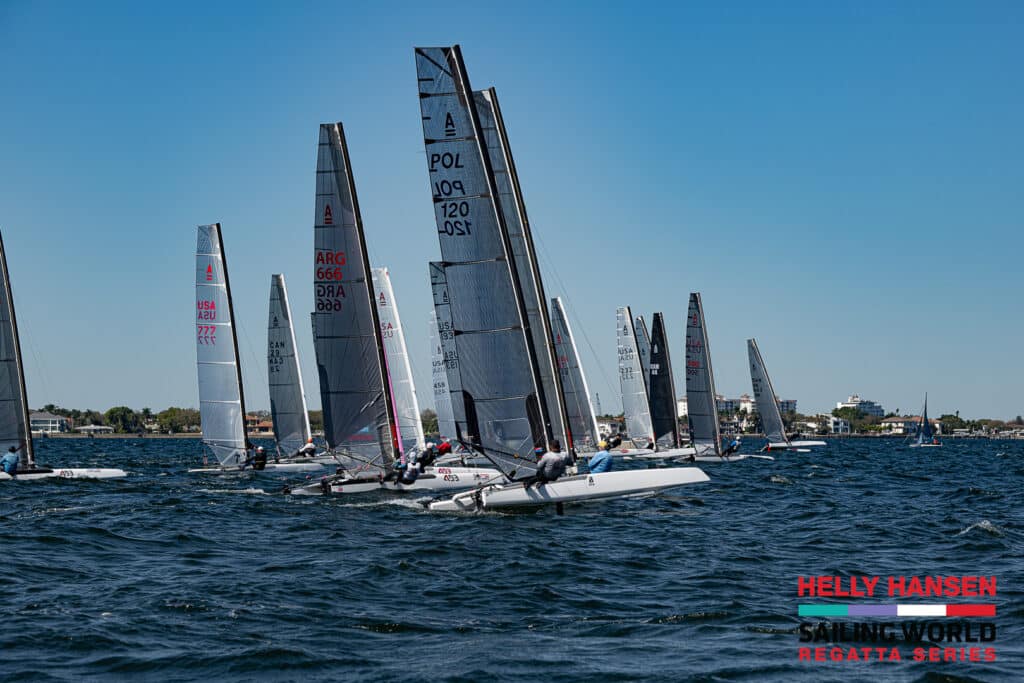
[[15, 427]]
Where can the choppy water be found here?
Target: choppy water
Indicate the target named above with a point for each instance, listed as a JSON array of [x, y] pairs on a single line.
[[172, 577]]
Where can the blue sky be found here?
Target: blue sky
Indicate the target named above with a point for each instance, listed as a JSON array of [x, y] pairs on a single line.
[[841, 181]]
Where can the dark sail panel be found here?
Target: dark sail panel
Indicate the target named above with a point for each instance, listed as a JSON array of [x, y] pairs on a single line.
[[701, 399], [662, 387]]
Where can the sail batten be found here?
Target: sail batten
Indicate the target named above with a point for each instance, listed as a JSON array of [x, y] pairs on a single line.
[[579, 411], [477, 286], [359, 419], [287, 397], [701, 399], [765, 397], [662, 387], [221, 399], [635, 404], [15, 427]]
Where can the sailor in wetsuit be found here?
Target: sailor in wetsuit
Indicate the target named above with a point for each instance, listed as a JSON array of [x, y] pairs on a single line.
[[308, 450], [731, 448], [259, 459], [9, 463], [550, 465]]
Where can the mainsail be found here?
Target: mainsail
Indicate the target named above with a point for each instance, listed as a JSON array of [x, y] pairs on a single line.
[[439, 377], [764, 396], [358, 415], [705, 434], [581, 420], [221, 401], [662, 388], [495, 383], [524, 257], [403, 390], [14, 421], [287, 397], [924, 428], [643, 346], [635, 405]]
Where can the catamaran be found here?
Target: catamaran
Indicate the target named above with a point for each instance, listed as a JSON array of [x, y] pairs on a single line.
[[370, 414], [221, 398], [15, 427], [701, 399], [507, 399], [768, 406], [925, 437], [284, 378]]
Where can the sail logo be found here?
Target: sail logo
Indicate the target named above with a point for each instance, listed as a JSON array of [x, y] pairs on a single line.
[[328, 217], [382, 300], [209, 273], [275, 322], [449, 125]]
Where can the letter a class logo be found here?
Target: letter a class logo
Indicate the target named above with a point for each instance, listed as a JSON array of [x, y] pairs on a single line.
[[328, 218], [383, 301], [209, 273]]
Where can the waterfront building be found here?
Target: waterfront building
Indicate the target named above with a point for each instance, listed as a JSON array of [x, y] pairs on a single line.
[[863, 405], [48, 423]]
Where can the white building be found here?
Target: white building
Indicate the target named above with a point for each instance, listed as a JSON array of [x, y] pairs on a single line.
[[744, 404], [48, 423], [95, 429], [863, 405], [836, 425]]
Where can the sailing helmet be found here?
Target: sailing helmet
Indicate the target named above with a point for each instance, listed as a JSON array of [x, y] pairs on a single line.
[[259, 449], [309, 440], [602, 444], [431, 444]]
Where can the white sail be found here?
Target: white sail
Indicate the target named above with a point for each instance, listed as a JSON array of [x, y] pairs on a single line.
[[581, 420], [403, 390], [14, 422], [284, 376], [439, 377], [764, 396], [705, 433], [635, 405], [221, 402]]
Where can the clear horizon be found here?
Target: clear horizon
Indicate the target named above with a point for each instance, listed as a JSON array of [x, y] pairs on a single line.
[[841, 183]]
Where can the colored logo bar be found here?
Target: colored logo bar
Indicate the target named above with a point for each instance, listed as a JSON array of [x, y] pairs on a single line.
[[896, 610]]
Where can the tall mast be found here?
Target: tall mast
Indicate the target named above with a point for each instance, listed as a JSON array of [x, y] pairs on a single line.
[[30, 456], [234, 335], [550, 354]]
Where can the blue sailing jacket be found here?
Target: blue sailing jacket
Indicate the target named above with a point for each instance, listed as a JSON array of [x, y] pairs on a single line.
[[600, 462]]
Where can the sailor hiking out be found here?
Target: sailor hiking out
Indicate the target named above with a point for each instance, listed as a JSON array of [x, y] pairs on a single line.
[[602, 460], [9, 463], [550, 465], [308, 449]]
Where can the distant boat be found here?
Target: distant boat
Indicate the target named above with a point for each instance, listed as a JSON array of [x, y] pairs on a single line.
[[507, 401], [15, 429], [701, 399], [221, 398], [925, 437], [768, 405], [580, 412]]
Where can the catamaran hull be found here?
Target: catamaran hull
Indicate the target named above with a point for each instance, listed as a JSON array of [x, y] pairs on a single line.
[[67, 473], [276, 467], [794, 445], [685, 455], [434, 479], [926, 445], [573, 489]]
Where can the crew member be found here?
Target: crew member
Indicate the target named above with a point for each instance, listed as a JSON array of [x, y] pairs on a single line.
[[428, 456], [445, 448], [259, 460], [308, 449], [9, 463], [410, 473], [731, 448], [551, 465], [602, 460]]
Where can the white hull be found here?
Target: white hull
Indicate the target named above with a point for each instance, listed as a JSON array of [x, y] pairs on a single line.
[[67, 473], [629, 452], [572, 489], [311, 465], [434, 479], [685, 455], [926, 445], [794, 445]]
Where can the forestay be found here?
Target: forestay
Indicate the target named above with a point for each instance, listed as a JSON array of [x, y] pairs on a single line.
[[358, 418], [643, 346], [287, 397], [635, 405], [221, 402], [494, 382], [662, 387], [582, 423], [705, 435], [403, 390], [439, 377], [14, 421], [765, 397], [513, 209]]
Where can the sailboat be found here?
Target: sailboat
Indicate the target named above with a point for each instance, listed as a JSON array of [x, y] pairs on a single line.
[[363, 424], [636, 406], [580, 413], [284, 378], [506, 398], [701, 399], [15, 427], [768, 406], [925, 437], [221, 397]]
